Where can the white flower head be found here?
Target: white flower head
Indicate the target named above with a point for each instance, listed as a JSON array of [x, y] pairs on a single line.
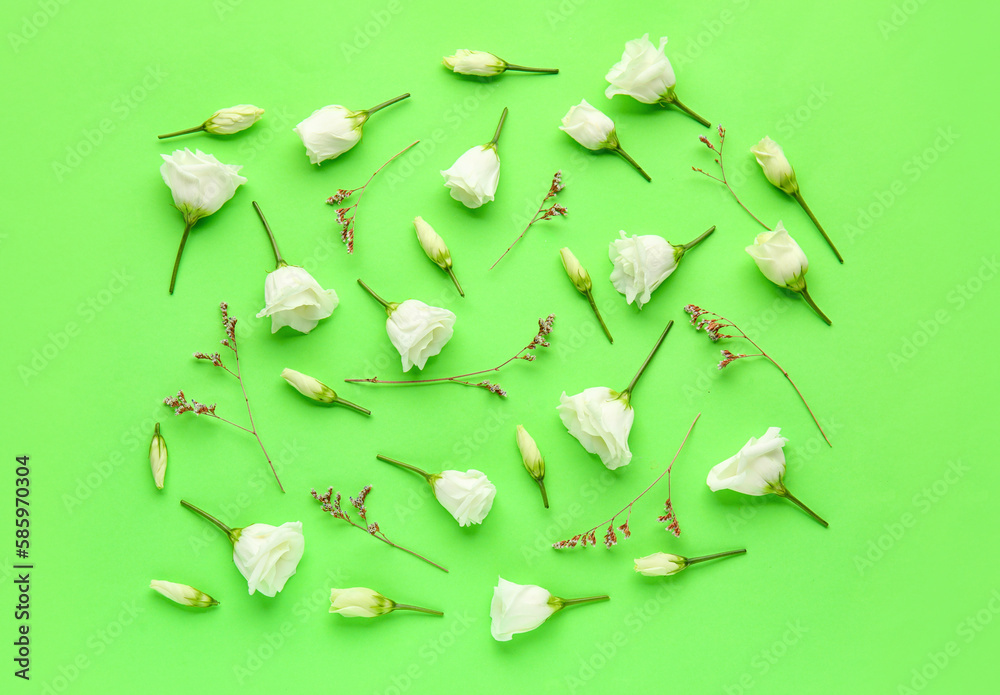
[[467, 496], [330, 131], [418, 331], [776, 167], [359, 602], [641, 264], [590, 127], [199, 182], [660, 564], [518, 608], [183, 594], [644, 72], [779, 258], [293, 298], [233, 120], [268, 555], [158, 457], [466, 62], [474, 176], [757, 469], [600, 419]]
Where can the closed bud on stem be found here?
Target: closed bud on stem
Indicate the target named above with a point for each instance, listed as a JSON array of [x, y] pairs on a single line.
[[158, 457], [183, 594], [359, 602], [313, 388], [533, 461], [578, 275]]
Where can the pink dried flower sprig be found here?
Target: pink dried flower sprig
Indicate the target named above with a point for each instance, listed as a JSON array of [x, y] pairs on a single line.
[[345, 218], [717, 152], [543, 213], [332, 505], [589, 537], [181, 405], [714, 324], [525, 353]]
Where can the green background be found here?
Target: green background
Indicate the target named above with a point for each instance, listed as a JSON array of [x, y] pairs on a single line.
[[882, 108]]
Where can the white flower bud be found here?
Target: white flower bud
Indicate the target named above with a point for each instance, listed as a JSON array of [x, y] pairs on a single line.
[[532, 457], [308, 386], [590, 127], [776, 167], [158, 457], [359, 602], [183, 594], [577, 273], [466, 62], [779, 258], [233, 120], [660, 564], [432, 243]]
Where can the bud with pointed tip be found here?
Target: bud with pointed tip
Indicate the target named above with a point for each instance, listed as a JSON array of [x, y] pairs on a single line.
[[777, 169], [233, 120], [158, 457], [183, 594], [313, 388], [533, 461], [432, 243], [577, 273], [359, 602]]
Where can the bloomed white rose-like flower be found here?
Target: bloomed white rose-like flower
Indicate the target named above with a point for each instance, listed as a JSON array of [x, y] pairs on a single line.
[[644, 72], [419, 331], [183, 594], [332, 130], [158, 457], [518, 608], [595, 131], [199, 182], [234, 119], [293, 298], [600, 419], [666, 564], [268, 555], [642, 263], [782, 262], [467, 496], [436, 250], [483, 64], [474, 176], [756, 469], [776, 167]]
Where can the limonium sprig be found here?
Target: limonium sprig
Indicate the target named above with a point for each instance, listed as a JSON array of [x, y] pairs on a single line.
[[714, 325], [717, 152], [543, 213], [526, 353], [332, 504], [344, 216], [589, 537], [180, 403]]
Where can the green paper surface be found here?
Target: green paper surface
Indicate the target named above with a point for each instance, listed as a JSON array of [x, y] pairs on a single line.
[[883, 109]]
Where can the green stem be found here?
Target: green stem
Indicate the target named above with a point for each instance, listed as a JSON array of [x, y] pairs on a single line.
[[545, 497], [196, 129], [427, 476], [628, 391], [355, 406], [563, 602], [704, 558], [628, 158], [496, 135], [231, 533], [597, 313], [379, 107], [406, 607], [180, 250], [451, 274], [783, 492], [809, 300], [802, 201], [279, 261], [521, 68], [691, 245], [378, 299], [679, 104]]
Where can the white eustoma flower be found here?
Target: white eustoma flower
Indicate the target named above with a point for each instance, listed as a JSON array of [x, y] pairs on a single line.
[[641, 264], [158, 457], [644, 72], [518, 608], [474, 176], [776, 167], [268, 555], [467, 496], [199, 182], [601, 420], [183, 594], [418, 331], [757, 469], [359, 602], [436, 250], [483, 64], [233, 120], [293, 298], [779, 258], [666, 564], [332, 130], [595, 131]]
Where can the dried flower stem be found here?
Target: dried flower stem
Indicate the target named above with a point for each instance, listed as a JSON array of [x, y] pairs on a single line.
[[544, 329], [610, 538], [180, 403], [722, 169], [331, 504], [347, 223], [554, 210], [712, 328]]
